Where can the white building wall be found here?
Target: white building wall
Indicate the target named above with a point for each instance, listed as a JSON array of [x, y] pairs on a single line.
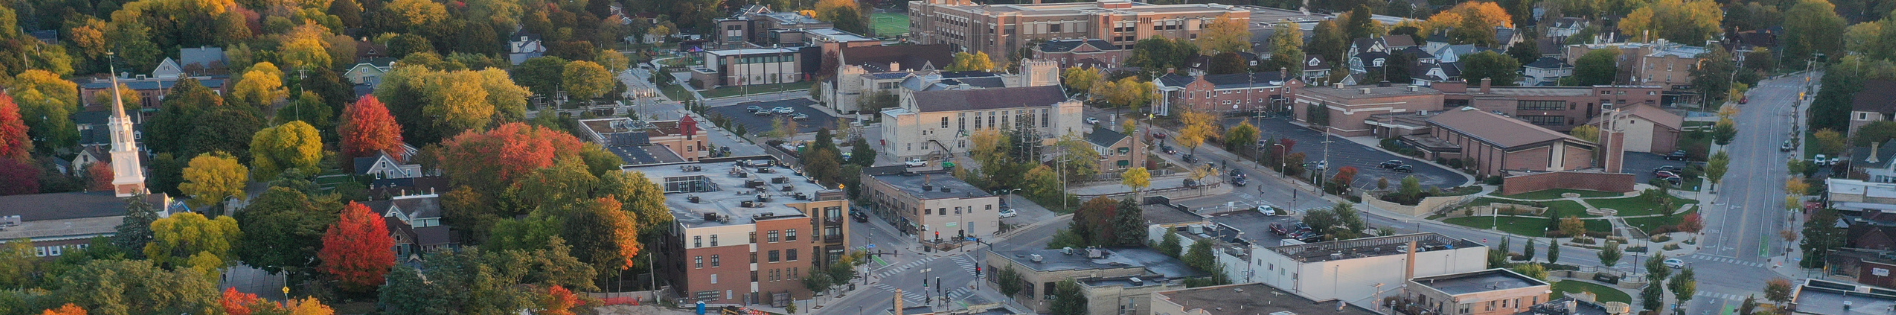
[[1354, 279]]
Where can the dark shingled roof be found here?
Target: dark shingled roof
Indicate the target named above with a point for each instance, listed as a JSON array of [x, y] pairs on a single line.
[[1548, 63], [71, 205], [1174, 79], [1876, 96], [1107, 137], [957, 100], [908, 56], [1071, 44]]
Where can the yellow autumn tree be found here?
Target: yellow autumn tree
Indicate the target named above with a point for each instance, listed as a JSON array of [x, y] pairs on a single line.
[[304, 48], [1683, 21], [212, 177], [294, 145], [977, 61], [260, 87], [1224, 35], [188, 239], [1490, 14]]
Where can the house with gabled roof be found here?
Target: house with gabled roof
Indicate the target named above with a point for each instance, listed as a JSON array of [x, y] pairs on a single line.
[[1117, 151], [414, 221], [1073, 52]]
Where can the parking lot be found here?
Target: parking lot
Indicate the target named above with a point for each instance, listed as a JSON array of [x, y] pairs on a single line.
[[757, 124], [1641, 165], [1345, 153]]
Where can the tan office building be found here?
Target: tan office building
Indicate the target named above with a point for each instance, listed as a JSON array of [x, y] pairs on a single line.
[[1003, 29]]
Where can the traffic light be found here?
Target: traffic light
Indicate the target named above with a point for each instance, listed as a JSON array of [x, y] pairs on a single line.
[[924, 283], [977, 271]]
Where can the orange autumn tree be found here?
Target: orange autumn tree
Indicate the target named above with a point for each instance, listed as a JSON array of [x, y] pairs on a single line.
[[69, 309], [1490, 14], [367, 128], [490, 161], [602, 233], [558, 301], [357, 250], [239, 303], [13, 141]]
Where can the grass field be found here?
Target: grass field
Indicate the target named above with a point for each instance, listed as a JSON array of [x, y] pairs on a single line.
[[1649, 223], [1536, 227], [1636, 206], [890, 24], [1602, 292], [1555, 194]]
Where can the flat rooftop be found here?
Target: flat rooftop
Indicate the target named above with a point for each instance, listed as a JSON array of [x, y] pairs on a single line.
[[1113, 258], [1167, 215], [1479, 281], [1253, 299], [939, 186], [1146, 280], [1251, 226], [1372, 247], [1356, 91], [1575, 91], [717, 193], [1829, 297], [1092, 7]]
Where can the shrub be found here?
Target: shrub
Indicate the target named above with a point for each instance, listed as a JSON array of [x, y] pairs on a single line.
[[1553, 267], [1672, 246], [1493, 180], [1455, 163], [1636, 249], [1585, 240], [1661, 237]]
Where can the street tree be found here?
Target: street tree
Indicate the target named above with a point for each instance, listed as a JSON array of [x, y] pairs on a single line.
[[1652, 298], [1080, 79], [1683, 286], [1199, 127], [1713, 76], [212, 178], [1610, 254], [355, 249], [586, 80], [1724, 131], [1527, 252], [1597, 67], [1499, 68], [1137, 178], [1656, 269], [1553, 252], [1778, 291], [1242, 136], [1716, 166]]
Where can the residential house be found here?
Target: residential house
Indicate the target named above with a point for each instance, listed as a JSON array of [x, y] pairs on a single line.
[[1493, 144], [1117, 152], [202, 60], [1546, 71], [1874, 163], [369, 72], [524, 45], [151, 89], [1225, 93], [1567, 26], [1875, 102], [938, 124], [414, 221], [1506, 36]]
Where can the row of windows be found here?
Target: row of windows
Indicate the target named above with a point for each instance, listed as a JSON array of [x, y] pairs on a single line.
[[697, 262], [1541, 105], [944, 211], [764, 59], [1549, 120], [788, 235], [55, 251]]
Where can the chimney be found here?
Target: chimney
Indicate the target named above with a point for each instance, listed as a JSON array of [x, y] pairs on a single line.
[[1485, 83], [1365, 91], [1873, 151]]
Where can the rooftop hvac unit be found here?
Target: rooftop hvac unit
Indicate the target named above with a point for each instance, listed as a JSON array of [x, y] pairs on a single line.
[[710, 216], [779, 180], [1195, 229], [789, 188], [945, 189], [692, 199], [749, 204]]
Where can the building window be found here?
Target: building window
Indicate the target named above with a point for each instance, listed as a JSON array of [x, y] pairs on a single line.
[[832, 232], [944, 122], [697, 241], [790, 254], [790, 236], [714, 278], [773, 236], [753, 237], [698, 262], [714, 241], [774, 256], [1541, 105], [715, 262], [1545, 120]]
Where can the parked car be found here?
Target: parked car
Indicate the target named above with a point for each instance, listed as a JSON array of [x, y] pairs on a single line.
[[1821, 160], [1743, 100], [1404, 168], [1190, 159], [1667, 168], [761, 112], [1836, 161], [784, 110], [915, 163], [753, 108], [859, 216], [1787, 147], [1167, 149], [799, 116], [1156, 135], [1676, 155], [1665, 174], [1092, 121], [1674, 263], [1267, 210], [1009, 213], [1390, 164]]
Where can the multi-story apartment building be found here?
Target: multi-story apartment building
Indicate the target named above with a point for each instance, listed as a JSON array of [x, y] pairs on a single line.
[[746, 232], [1001, 30], [1660, 63], [1559, 108], [939, 123], [934, 207]]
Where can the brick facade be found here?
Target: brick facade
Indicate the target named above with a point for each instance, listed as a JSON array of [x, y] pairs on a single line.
[[1608, 182]]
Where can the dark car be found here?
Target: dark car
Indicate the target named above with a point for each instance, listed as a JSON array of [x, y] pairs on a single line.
[[1189, 158], [1390, 164], [1167, 149], [1676, 155], [1156, 135], [859, 216], [1238, 182], [1404, 168]]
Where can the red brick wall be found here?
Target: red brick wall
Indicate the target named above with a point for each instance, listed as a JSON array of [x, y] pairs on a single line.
[[1535, 159], [1867, 275], [784, 267], [1568, 180], [1578, 157], [733, 272]]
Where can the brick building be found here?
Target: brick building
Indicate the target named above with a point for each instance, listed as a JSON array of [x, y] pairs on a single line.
[[1553, 107], [1662, 64], [1002, 29], [1647, 128], [758, 26], [1082, 52], [746, 233], [1486, 292], [737, 67], [1345, 109], [934, 207], [1492, 143], [1220, 93], [1117, 152]]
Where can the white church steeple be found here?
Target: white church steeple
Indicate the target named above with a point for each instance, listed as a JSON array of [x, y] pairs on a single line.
[[128, 177]]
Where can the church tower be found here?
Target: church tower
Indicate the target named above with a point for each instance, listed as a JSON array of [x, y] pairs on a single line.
[[128, 177]]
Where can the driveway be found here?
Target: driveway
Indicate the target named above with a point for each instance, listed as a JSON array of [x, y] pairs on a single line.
[[1346, 153], [755, 124]]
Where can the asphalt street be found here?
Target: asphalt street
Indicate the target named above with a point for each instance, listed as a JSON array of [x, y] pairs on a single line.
[[1742, 229]]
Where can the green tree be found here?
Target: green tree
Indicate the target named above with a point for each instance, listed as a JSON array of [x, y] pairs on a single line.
[[1079, 158], [176, 239], [1724, 131], [1874, 133], [1068, 299], [1227, 63], [1527, 252], [541, 74], [1411, 187], [1526, 51], [1610, 254], [47, 103], [1532, 270], [1597, 67], [1820, 235], [1170, 244], [1358, 23], [19, 261], [1287, 47], [586, 80], [1009, 281], [1080, 79], [1683, 286], [1200, 255], [1712, 77], [123, 287], [1129, 224], [1503, 70], [1653, 297], [1553, 252], [213, 177], [817, 282], [285, 228], [1716, 167], [1241, 137], [291, 146], [1330, 41], [1812, 27], [135, 230]]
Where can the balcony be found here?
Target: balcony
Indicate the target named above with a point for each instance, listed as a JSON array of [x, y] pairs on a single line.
[[836, 239]]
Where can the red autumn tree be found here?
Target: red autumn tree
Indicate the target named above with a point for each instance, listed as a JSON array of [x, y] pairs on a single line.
[[69, 309], [18, 177], [13, 141], [357, 250], [99, 176], [1345, 175], [367, 128], [1692, 223], [238, 303], [558, 301], [490, 161]]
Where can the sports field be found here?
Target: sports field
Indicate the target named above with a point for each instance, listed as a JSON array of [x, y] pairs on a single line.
[[890, 24]]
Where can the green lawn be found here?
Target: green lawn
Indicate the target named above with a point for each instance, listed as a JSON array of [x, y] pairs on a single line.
[[1567, 208], [676, 92], [1649, 223], [1536, 227], [1636, 206], [1603, 293], [754, 89], [1555, 194], [890, 24]]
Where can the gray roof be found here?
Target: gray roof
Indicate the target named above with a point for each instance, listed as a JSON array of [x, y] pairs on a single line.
[[941, 186], [415, 206], [1253, 298], [1860, 156], [1107, 137], [1071, 44], [1548, 63], [1836, 298], [1055, 260], [1479, 281], [213, 82], [1878, 96], [959, 100], [204, 56], [63, 206]]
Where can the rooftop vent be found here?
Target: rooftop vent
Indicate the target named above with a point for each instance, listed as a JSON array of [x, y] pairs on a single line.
[[692, 199], [1136, 282], [710, 216], [945, 189], [927, 187]]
